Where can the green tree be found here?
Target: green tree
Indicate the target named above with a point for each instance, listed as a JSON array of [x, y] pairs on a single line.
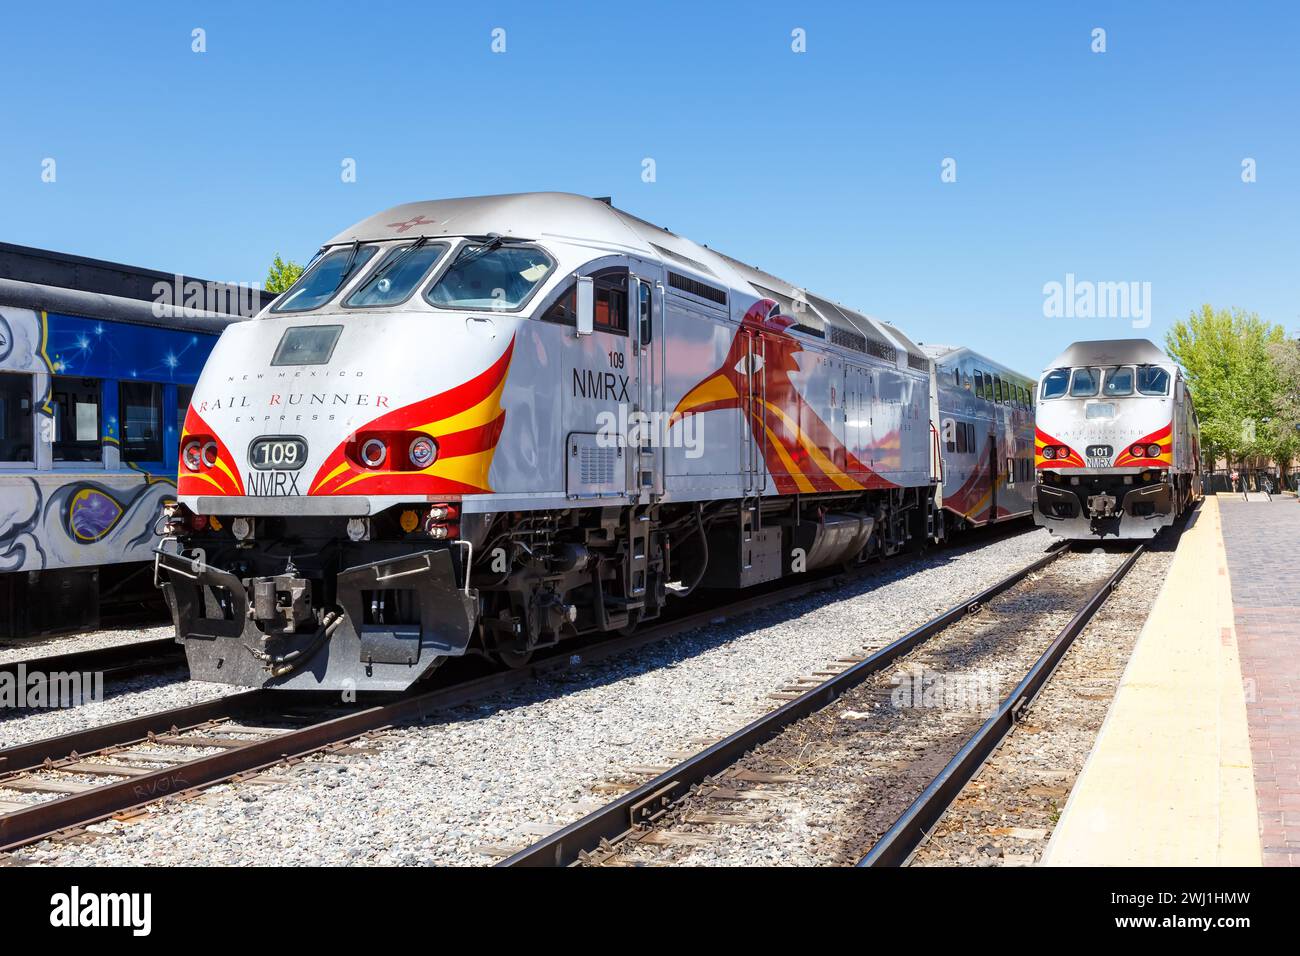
[[1233, 377], [281, 275], [1286, 405]]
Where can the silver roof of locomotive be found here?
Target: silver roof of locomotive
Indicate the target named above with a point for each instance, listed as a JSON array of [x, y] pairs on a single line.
[[1111, 352], [568, 217]]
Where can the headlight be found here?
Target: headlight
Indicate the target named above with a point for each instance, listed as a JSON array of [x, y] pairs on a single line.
[[190, 455], [424, 452], [1153, 451], [373, 453], [1049, 452], [210, 454]]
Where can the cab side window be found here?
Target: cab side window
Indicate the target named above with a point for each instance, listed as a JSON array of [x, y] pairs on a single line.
[[563, 310], [610, 287], [611, 300]]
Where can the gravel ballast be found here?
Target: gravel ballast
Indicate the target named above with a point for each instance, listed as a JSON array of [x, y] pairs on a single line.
[[476, 781], [15, 650], [123, 698]]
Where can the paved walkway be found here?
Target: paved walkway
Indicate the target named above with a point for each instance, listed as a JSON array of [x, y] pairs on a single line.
[[1262, 541], [1169, 780]]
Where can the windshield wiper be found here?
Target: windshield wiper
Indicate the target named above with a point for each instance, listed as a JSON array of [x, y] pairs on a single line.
[[397, 260], [478, 252], [491, 242], [347, 269]]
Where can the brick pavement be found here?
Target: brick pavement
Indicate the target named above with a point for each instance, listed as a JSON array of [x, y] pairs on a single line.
[[1262, 541]]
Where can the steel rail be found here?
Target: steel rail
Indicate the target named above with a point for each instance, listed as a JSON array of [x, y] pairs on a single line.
[[911, 829], [653, 798]]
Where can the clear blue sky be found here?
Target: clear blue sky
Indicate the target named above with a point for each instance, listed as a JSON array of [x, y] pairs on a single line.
[[822, 167]]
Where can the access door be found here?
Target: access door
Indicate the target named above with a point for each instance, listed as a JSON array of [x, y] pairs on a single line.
[[648, 422]]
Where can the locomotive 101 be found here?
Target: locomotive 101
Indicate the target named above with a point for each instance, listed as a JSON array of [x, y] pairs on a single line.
[[485, 425], [1117, 444]]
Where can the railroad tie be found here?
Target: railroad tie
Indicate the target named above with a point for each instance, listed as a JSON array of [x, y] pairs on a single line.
[[106, 769], [47, 786]]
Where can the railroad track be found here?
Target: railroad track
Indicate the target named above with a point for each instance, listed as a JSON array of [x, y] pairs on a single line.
[[918, 821], [49, 674], [633, 814], [118, 769], [641, 815]]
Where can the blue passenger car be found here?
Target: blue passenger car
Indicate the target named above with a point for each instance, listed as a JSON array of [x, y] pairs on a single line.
[[94, 383]]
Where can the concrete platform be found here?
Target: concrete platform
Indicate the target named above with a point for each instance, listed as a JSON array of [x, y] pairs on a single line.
[[1170, 779]]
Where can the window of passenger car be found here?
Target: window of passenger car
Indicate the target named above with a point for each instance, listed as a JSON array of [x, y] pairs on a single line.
[[140, 412], [1119, 381], [183, 395], [1085, 383], [1152, 380], [76, 404], [979, 384], [485, 277], [321, 281], [998, 394], [1056, 383], [16, 425], [397, 275]]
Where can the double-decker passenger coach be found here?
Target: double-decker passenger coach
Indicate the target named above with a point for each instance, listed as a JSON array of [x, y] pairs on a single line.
[[986, 430], [1117, 444]]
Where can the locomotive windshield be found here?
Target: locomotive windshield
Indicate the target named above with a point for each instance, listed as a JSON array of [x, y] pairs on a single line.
[[399, 272], [1115, 381], [1086, 382], [330, 273], [1152, 380], [1119, 381], [1054, 386], [488, 277]]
